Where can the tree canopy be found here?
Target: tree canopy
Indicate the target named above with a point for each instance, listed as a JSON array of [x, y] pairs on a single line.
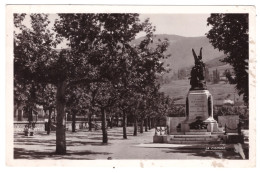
[[100, 57], [229, 34]]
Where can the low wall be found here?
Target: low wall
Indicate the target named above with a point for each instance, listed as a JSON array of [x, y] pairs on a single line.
[[230, 121], [78, 125], [173, 122], [40, 125], [19, 126]]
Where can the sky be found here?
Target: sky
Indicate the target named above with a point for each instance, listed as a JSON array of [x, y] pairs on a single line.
[[187, 25]]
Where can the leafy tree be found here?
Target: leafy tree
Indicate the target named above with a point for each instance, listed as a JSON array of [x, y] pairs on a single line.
[[207, 76], [95, 43], [216, 76], [77, 102], [104, 97], [228, 75], [26, 97], [21, 95], [229, 33], [124, 103], [36, 61], [47, 100], [181, 74]]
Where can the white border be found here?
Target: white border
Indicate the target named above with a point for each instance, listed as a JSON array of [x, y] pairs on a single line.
[[128, 9]]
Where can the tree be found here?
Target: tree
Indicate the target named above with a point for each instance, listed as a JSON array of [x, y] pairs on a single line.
[[93, 38], [229, 33], [95, 43], [124, 103], [228, 75], [207, 76], [27, 95], [77, 102], [36, 61], [181, 74], [21, 95], [216, 76], [104, 97], [47, 100]]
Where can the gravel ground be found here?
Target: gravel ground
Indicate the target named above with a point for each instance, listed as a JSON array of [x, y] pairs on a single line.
[[85, 145]]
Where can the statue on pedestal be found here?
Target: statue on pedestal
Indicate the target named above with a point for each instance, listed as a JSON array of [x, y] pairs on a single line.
[[197, 79]]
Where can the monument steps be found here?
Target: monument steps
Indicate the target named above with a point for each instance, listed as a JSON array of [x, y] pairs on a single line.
[[193, 142], [197, 133], [193, 136], [198, 130], [193, 139]]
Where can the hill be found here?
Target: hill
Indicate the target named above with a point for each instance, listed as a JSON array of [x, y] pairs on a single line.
[[178, 90], [180, 50], [215, 62]]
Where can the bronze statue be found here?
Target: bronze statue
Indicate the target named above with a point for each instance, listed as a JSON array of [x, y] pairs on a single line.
[[197, 79]]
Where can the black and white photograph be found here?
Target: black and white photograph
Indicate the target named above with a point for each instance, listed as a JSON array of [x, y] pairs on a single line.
[[174, 83]]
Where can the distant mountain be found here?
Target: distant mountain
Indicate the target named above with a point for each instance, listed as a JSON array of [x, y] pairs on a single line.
[[181, 54], [180, 50]]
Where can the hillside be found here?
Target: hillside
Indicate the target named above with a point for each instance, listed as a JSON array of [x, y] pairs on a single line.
[[180, 50], [178, 90], [215, 62]]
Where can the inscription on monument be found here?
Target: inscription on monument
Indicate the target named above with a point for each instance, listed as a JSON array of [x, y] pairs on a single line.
[[198, 105]]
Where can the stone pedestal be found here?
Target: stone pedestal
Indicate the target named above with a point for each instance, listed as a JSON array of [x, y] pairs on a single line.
[[199, 106]]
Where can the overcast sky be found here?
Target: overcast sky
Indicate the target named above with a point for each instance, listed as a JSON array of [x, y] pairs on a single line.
[[189, 25]]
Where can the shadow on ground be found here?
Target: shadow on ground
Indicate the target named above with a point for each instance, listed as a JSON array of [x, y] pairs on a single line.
[[42, 146], [20, 153]]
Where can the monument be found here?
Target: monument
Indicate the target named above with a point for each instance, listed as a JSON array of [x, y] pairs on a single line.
[[199, 101], [198, 125]]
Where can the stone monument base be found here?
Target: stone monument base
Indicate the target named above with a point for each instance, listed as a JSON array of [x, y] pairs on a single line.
[[199, 112]]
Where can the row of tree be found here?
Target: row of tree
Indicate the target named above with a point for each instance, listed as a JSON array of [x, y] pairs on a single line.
[[185, 73], [100, 70]]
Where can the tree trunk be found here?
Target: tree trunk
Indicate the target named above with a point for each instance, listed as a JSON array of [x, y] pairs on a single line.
[[146, 124], [142, 126], [49, 122], [104, 130], [152, 122], [117, 121], [149, 123], [61, 123], [20, 111], [124, 125], [54, 116], [111, 122], [73, 122], [30, 115], [89, 122], [135, 126]]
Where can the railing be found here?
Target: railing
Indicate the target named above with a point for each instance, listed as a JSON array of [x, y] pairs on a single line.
[[162, 130]]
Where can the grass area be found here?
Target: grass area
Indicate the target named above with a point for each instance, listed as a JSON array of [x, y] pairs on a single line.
[[178, 90]]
